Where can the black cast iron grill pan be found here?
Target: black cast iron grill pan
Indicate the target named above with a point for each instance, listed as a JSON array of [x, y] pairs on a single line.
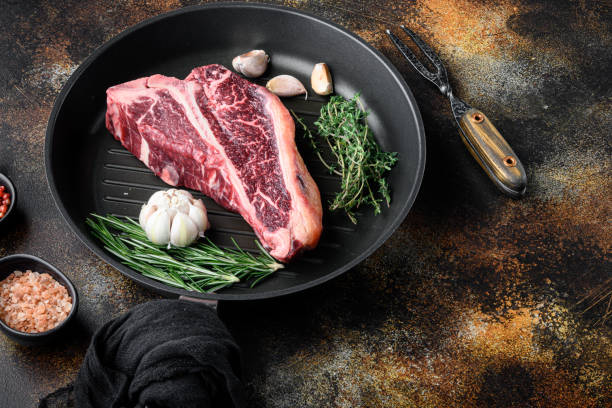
[[88, 171]]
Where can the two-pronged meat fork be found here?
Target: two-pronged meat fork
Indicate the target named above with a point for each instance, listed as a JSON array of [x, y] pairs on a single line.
[[482, 139]]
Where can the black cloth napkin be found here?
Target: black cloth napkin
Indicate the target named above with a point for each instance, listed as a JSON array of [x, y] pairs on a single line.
[[166, 353]]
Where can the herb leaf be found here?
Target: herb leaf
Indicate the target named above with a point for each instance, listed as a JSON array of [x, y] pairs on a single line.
[[360, 162], [202, 267]]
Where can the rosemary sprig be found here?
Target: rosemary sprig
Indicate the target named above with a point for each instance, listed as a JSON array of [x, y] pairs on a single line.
[[203, 267], [600, 295], [359, 161]]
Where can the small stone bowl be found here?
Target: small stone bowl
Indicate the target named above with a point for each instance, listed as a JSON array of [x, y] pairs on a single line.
[[10, 188], [22, 262]]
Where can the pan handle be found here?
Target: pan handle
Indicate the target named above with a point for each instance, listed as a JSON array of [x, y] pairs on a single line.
[[212, 303], [492, 152]]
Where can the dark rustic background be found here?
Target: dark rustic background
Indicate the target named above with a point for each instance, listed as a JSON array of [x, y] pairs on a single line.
[[474, 301]]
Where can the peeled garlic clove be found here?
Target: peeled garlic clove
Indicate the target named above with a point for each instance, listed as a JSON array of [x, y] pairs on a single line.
[[321, 80], [285, 85], [252, 64], [145, 213], [199, 217], [184, 231], [158, 227]]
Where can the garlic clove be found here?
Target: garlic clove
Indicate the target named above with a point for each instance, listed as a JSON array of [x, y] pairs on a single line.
[[183, 231], [251, 64], [198, 203], [158, 227], [199, 217], [285, 85], [184, 193], [160, 198], [180, 203], [320, 80], [145, 213], [172, 211]]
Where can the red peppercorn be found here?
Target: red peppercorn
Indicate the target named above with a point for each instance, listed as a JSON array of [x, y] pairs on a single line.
[[5, 201]]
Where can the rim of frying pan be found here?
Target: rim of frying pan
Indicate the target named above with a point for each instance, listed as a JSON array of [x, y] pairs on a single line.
[[175, 292]]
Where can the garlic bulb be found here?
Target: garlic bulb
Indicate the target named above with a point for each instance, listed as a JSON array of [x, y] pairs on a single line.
[[285, 85], [173, 217], [320, 80], [251, 64]]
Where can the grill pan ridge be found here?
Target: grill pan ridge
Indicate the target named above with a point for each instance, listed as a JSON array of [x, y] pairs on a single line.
[[89, 171]]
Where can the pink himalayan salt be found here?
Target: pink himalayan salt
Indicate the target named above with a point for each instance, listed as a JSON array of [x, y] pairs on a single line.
[[33, 302]]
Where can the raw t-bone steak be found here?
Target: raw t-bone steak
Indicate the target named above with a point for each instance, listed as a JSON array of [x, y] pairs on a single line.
[[233, 140]]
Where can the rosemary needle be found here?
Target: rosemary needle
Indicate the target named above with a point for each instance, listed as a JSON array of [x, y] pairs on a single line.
[[202, 267]]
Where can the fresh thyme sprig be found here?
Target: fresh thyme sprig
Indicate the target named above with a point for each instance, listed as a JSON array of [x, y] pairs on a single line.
[[202, 267], [359, 161]]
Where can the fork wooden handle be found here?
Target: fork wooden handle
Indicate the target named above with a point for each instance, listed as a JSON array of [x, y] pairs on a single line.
[[493, 153]]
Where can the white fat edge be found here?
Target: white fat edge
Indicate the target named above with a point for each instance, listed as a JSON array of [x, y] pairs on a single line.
[[114, 117], [282, 238], [288, 167], [144, 151]]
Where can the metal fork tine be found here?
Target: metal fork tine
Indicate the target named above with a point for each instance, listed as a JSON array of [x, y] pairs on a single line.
[[411, 57], [429, 53]]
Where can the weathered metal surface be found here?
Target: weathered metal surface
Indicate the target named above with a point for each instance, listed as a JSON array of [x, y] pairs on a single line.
[[472, 302]]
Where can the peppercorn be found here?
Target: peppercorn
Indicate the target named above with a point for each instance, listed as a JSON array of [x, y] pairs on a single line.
[[5, 201]]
